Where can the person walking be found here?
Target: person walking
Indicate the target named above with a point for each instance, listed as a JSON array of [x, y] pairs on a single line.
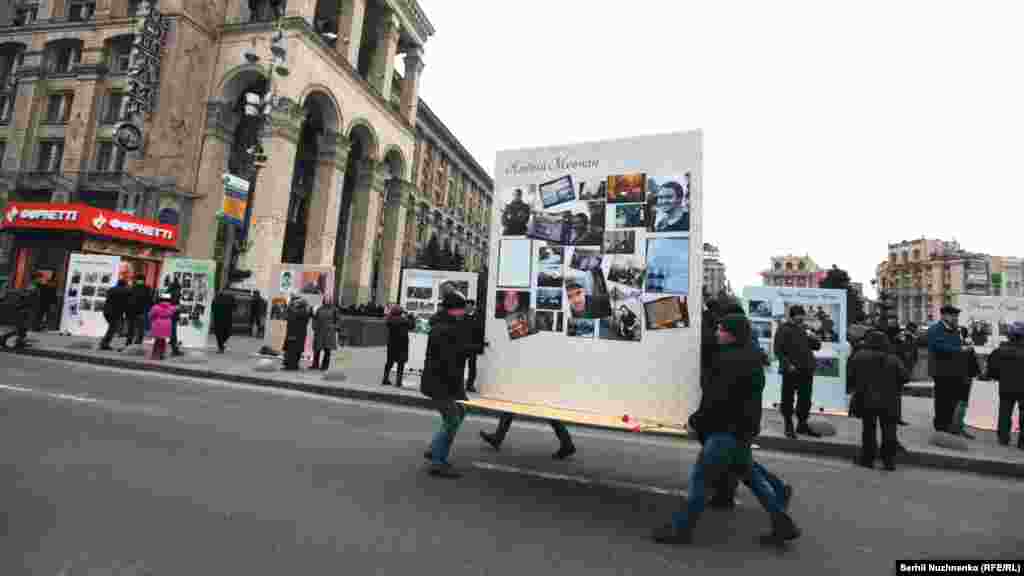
[[115, 309], [26, 301], [325, 335], [174, 289], [794, 346], [295, 332], [44, 316], [256, 313], [727, 423], [963, 395], [947, 365], [874, 377], [161, 320], [142, 300], [566, 447], [475, 325], [222, 309], [442, 380], [1006, 364], [399, 325]]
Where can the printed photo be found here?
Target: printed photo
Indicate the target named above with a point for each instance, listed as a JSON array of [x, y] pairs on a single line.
[[511, 301], [593, 190], [587, 228], [514, 259], [623, 324], [668, 204], [73, 292], [187, 296], [422, 324], [519, 326], [177, 276], [587, 295], [287, 281], [666, 313], [668, 266], [515, 215], [186, 280], [460, 286], [184, 311], [88, 291], [201, 297], [98, 305], [762, 330], [105, 279], [549, 298], [821, 320], [201, 280], [85, 305], [419, 292], [581, 327], [279, 308], [549, 266], [314, 283], [73, 308], [619, 242], [550, 227], [412, 305], [101, 291], [585, 259], [557, 191], [627, 216], [827, 367], [626, 188], [546, 321], [620, 293], [428, 307], [92, 277], [760, 309], [626, 269], [76, 277]]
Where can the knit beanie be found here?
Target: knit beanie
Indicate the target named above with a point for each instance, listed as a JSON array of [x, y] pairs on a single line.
[[453, 300]]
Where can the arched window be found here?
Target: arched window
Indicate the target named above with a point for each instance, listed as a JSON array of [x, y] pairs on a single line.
[[61, 57]]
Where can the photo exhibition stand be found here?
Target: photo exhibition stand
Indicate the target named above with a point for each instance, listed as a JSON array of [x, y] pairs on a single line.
[[421, 295], [595, 299]]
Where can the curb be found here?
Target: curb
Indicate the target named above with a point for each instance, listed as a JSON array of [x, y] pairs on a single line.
[[821, 448]]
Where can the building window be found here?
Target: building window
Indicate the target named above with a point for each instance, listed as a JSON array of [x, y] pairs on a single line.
[[50, 155], [81, 10], [121, 54], [63, 58], [25, 14], [6, 108], [117, 107], [133, 7], [58, 108], [3, 151]]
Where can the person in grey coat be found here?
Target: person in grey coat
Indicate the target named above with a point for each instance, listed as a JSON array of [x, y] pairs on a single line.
[[325, 334]]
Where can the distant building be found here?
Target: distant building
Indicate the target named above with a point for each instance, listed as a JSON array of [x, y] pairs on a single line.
[[793, 272], [715, 281]]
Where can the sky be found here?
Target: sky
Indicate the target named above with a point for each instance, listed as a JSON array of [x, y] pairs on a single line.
[[830, 128]]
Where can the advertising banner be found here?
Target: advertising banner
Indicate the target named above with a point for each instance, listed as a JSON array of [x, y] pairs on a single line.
[[421, 294], [90, 220], [196, 280], [89, 277], [236, 196], [597, 248], [314, 284], [825, 309]]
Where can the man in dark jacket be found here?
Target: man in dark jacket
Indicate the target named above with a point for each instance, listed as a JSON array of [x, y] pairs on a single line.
[[223, 309], [142, 300], [399, 324], [875, 376], [516, 215], [174, 289], [118, 304], [1006, 364], [947, 365], [795, 347], [727, 424], [25, 304], [475, 326], [295, 332], [443, 378]]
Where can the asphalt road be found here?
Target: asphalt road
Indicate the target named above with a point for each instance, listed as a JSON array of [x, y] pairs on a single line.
[[113, 472]]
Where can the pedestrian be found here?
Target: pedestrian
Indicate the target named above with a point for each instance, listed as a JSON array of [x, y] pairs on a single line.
[[1006, 364], [256, 313], [44, 316], [115, 310], [161, 320], [566, 448], [874, 377], [963, 396], [442, 379], [174, 289], [223, 309], [325, 334], [399, 325], [794, 347], [295, 332], [947, 365], [26, 301], [727, 423], [475, 325], [142, 300]]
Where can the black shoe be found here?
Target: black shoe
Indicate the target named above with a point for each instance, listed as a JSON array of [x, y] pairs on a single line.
[[1004, 441], [804, 429], [790, 433], [667, 534], [783, 530], [1020, 443], [865, 463], [904, 423], [967, 434], [490, 439], [108, 348], [444, 471], [901, 449], [177, 353], [787, 495], [429, 454], [385, 382], [890, 465], [564, 452], [471, 389]]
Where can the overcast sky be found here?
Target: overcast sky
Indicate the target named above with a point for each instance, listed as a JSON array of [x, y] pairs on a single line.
[[830, 129]]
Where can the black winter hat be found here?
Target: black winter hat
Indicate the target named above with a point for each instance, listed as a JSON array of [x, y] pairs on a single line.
[[453, 300]]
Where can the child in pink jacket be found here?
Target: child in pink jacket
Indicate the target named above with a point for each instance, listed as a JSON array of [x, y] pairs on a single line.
[[160, 317]]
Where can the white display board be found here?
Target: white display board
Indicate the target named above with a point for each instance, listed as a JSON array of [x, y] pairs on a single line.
[[196, 280], [596, 252], [314, 284], [89, 277], [768, 308], [421, 294], [996, 311]]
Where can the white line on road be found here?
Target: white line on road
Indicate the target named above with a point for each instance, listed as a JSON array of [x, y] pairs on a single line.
[[580, 479], [58, 395]]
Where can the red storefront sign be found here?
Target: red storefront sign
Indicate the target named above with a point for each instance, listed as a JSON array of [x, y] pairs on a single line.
[[90, 220]]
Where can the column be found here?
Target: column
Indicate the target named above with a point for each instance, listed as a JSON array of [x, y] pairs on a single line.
[[303, 9], [78, 137], [411, 84], [365, 211], [21, 144], [104, 9], [351, 14], [215, 151], [382, 69], [6, 14], [395, 214], [325, 207], [270, 201], [58, 9]]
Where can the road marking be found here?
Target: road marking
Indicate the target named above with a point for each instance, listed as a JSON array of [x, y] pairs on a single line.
[[58, 395], [580, 479]]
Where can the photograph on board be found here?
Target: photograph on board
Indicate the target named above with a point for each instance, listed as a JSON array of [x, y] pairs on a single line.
[[514, 258], [623, 324], [762, 330], [519, 325], [515, 214], [586, 224], [587, 294], [581, 327], [627, 269], [547, 321], [666, 313], [585, 259], [593, 190], [552, 228], [619, 242], [760, 309], [626, 188], [621, 292], [557, 191], [549, 298], [668, 204], [668, 266], [549, 266], [626, 215], [510, 301], [419, 292]]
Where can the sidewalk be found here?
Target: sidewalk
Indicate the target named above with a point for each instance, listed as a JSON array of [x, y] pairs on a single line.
[[364, 368]]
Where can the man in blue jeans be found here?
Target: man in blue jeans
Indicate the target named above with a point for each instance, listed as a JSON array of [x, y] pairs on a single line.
[[730, 407]]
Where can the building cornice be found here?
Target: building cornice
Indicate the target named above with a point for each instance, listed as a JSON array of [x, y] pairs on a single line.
[[414, 18], [432, 127]]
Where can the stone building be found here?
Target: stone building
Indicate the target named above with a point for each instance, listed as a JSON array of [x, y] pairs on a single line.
[[793, 272], [454, 196], [715, 281], [340, 140]]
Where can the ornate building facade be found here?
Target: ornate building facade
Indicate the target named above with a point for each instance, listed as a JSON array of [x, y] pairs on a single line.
[[454, 197], [793, 272], [339, 143]]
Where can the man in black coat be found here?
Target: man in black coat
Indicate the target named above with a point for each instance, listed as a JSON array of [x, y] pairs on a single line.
[[223, 309], [1006, 364], [142, 300], [875, 376], [25, 304], [118, 304], [399, 325], [299, 314], [174, 289], [475, 327], [795, 347], [442, 379]]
